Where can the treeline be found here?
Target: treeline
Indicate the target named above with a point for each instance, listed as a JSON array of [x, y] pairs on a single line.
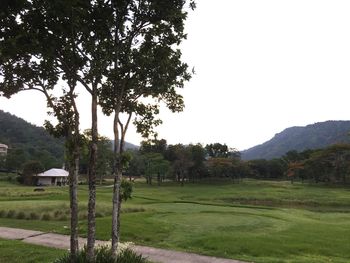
[[157, 162]]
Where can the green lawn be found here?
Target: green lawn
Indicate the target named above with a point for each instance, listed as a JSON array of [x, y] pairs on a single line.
[[260, 221], [17, 251]]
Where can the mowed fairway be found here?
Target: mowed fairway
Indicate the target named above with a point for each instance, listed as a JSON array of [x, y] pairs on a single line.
[[260, 221]]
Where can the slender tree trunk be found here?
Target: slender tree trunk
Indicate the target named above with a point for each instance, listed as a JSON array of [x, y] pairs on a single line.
[[117, 182], [118, 176], [92, 180], [73, 191]]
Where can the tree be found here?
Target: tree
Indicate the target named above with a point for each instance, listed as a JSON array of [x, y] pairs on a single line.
[[31, 169], [146, 63], [259, 168], [330, 164], [198, 157], [294, 169], [183, 163], [217, 150], [37, 49], [124, 51], [155, 164], [224, 168], [15, 159], [137, 164], [104, 159], [154, 146]]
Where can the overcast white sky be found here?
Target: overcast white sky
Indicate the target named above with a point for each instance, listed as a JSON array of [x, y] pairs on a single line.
[[261, 66]]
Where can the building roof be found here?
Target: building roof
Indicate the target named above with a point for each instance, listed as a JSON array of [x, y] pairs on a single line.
[[54, 173], [3, 146]]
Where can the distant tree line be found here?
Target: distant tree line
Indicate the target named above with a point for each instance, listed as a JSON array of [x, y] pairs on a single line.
[[157, 162]]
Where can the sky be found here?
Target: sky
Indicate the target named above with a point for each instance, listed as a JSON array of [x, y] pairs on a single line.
[[261, 67]]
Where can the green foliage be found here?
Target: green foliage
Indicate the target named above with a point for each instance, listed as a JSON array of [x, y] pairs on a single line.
[[155, 166], [328, 165], [46, 217], [30, 169], [223, 167], [28, 142], [217, 150], [137, 164], [104, 157], [104, 254], [126, 190]]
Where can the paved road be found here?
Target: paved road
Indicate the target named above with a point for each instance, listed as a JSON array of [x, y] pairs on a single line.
[[62, 241]]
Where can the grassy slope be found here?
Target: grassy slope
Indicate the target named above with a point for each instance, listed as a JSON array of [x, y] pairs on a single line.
[[297, 223]]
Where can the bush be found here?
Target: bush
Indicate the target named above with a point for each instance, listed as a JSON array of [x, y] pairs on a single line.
[[63, 218], [34, 216], [3, 213], [46, 217], [11, 214], [21, 215], [133, 210], [99, 214], [104, 255], [83, 216], [57, 214]]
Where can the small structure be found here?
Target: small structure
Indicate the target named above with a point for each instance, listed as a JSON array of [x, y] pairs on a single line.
[[3, 149], [52, 177]]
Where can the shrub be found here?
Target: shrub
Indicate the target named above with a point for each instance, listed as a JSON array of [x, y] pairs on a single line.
[[2, 213], [34, 216], [21, 215], [133, 210], [99, 214], [46, 217], [11, 214], [63, 218], [83, 216], [104, 255], [57, 213]]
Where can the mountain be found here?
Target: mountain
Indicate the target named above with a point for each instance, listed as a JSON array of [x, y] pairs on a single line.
[[128, 146], [312, 136], [29, 142]]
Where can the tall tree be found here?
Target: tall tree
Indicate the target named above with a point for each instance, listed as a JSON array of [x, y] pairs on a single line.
[[34, 58], [146, 66]]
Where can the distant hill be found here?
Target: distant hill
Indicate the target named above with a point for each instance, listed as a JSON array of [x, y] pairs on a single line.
[[312, 136], [29, 142], [128, 146]]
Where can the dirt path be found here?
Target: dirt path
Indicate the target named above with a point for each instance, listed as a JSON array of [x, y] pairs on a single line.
[[62, 242]]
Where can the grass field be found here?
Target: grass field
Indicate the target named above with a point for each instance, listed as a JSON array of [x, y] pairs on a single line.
[[260, 221], [17, 251]]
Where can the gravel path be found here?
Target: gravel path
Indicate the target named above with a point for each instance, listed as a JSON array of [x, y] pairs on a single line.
[[62, 242]]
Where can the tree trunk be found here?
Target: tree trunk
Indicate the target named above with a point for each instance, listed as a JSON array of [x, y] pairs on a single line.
[[92, 180], [117, 182], [73, 192]]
